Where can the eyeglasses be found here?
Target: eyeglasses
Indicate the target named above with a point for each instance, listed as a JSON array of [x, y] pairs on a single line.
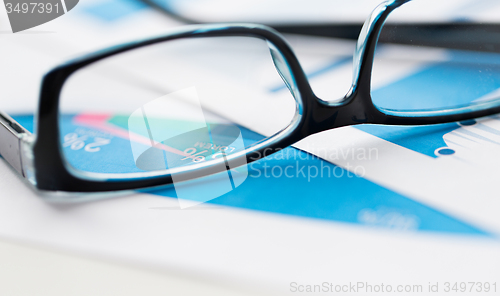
[[208, 99]]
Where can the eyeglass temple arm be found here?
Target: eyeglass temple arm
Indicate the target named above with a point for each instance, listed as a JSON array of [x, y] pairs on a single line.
[[464, 36], [11, 134], [445, 35]]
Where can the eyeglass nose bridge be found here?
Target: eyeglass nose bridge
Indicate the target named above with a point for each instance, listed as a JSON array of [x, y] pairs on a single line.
[[357, 106], [357, 109]]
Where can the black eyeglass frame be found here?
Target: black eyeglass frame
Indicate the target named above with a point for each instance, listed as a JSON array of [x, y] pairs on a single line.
[[52, 172]]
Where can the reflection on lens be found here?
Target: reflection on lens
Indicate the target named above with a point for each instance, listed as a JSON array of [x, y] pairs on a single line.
[[427, 64], [174, 105]]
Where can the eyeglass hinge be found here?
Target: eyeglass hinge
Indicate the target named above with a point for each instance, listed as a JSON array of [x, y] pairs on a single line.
[[11, 135]]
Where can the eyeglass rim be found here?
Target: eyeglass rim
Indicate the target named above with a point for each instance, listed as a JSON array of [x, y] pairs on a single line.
[[54, 173]]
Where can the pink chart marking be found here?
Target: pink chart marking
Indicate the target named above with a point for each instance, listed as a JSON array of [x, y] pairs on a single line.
[[100, 122]]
